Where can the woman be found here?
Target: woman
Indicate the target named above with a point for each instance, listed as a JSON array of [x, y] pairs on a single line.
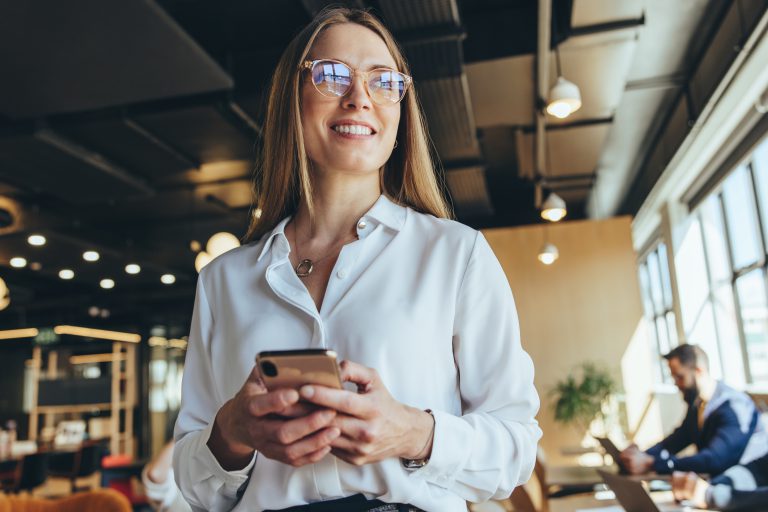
[[354, 252]]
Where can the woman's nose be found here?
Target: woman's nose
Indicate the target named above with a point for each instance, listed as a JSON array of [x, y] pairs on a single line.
[[357, 97]]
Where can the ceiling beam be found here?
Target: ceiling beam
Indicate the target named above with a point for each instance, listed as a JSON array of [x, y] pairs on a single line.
[[609, 26], [93, 159]]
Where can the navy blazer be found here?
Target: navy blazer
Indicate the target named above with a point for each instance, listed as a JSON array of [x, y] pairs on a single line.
[[720, 442]]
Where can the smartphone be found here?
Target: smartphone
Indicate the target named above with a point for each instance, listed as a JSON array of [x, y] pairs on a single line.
[[295, 368]]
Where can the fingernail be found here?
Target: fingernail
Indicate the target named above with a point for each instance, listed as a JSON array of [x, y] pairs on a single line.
[[307, 391], [334, 433], [290, 396]]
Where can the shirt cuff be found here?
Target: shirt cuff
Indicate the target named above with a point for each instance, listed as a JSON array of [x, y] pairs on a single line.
[[447, 457], [742, 478], [232, 480], [718, 496], [162, 493]]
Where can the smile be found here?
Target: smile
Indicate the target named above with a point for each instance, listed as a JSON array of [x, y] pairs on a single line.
[[353, 129]]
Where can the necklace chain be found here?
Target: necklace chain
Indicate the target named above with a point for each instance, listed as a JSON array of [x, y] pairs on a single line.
[[305, 266]]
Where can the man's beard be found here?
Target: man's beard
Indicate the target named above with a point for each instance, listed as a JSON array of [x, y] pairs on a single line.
[[691, 394]]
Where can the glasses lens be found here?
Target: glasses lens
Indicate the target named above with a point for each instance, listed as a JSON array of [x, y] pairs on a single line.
[[387, 85], [331, 78]]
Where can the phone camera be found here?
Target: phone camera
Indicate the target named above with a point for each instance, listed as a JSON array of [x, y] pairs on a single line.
[[268, 368]]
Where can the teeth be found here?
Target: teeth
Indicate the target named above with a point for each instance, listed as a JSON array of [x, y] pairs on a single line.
[[353, 129]]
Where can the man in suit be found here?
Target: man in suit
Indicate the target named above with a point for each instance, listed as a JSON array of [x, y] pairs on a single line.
[[720, 421], [739, 488]]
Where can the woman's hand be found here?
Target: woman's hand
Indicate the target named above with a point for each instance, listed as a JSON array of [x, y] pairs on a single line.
[[374, 426], [274, 424]]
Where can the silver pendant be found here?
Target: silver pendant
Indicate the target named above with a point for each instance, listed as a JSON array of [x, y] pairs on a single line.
[[304, 268]]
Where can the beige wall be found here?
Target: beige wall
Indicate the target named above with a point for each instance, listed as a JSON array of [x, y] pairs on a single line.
[[586, 306]]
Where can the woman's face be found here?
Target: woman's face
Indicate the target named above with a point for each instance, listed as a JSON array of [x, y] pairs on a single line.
[[330, 150]]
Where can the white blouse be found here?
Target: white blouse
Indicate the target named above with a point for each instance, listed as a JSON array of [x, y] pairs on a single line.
[[422, 300]]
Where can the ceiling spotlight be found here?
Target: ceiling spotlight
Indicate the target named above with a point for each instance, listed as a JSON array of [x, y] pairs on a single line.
[[107, 284], [548, 254], [195, 246], [201, 260], [564, 98], [220, 243], [168, 279], [94, 311], [132, 268], [36, 240], [18, 262], [553, 208], [66, 274], [91, 256], [35, 265]]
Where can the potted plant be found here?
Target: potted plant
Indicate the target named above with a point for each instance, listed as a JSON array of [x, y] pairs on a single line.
[[583, 395]]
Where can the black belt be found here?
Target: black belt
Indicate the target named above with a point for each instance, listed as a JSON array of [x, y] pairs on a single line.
[[356, 503]]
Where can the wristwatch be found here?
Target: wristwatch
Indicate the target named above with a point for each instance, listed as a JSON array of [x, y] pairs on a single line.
[[420, 463]]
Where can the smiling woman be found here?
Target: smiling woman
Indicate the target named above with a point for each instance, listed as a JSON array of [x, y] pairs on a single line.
[[354, 252]]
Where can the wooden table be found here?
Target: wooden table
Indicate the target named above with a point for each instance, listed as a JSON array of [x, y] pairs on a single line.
[[589, 503]]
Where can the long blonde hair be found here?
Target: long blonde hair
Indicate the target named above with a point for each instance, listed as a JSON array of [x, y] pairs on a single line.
[[283, 175]]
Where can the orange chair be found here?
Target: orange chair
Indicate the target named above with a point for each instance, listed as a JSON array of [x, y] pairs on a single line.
[[101, 500]]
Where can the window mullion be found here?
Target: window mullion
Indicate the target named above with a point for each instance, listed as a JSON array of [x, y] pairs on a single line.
[[736, 301]]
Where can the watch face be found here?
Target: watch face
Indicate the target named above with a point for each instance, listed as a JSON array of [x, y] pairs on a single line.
[[414, 463]]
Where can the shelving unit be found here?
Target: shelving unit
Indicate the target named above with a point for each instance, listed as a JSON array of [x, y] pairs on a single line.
[[122, 402]]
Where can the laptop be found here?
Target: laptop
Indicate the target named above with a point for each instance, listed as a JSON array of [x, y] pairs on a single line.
[[633, 497], [612, 450]]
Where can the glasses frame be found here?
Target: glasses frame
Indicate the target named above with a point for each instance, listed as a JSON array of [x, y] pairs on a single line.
[[310, 64]]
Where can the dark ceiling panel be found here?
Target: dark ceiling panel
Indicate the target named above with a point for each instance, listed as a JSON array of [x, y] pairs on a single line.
[[407, 14], [40, 164], [201, 132], [129, 144], [102, 58]]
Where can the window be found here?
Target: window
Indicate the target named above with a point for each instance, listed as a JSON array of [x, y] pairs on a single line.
[[727, 311], [656, 290]]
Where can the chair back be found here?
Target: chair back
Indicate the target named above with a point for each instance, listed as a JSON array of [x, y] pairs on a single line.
[[88, 459], [33, 471]]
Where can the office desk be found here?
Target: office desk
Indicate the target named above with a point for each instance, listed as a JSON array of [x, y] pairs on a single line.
[[588, 503]]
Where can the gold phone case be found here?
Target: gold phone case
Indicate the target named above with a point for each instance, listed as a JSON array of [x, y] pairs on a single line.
[[295, 368]]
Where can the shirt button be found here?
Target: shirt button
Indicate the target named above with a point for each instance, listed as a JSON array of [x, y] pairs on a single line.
[[362, 224], [342, 273]]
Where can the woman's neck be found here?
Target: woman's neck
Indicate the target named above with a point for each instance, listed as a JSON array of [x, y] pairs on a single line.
[[338, 203]]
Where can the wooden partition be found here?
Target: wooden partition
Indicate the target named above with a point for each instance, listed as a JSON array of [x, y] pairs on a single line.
[[586, 306]]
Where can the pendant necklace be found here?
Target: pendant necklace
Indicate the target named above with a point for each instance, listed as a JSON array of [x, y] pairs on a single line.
[[306, 265]]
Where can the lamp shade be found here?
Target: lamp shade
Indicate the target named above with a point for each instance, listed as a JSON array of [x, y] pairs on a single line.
[[564, 98], [220, 243], [548, 254], [201, 260], [553, 208]]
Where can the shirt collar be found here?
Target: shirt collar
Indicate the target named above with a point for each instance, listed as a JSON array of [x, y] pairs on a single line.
[[383, 211]]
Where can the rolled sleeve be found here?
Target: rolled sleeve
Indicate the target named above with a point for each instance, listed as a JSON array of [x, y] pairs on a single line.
[[491, 448]]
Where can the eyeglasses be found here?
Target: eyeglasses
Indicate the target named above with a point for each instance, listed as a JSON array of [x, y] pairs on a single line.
[[334, 79]]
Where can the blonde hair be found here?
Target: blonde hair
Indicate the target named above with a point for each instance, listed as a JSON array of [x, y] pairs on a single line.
[[283, 177]]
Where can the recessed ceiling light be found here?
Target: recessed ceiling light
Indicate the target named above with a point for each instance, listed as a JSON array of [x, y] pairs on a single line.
[[107, 284], [195, 246], [66, 273], [35, 265], [18, 262], [36, 240], [168, 279], [91, 256], [132, 268]]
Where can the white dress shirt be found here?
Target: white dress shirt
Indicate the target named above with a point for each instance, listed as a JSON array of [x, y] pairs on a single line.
[[422, 300]]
